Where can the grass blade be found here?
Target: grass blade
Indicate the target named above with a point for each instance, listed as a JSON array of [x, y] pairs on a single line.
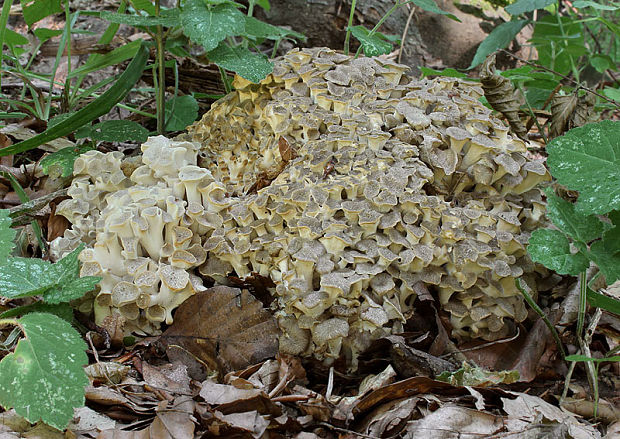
[[90, 112]]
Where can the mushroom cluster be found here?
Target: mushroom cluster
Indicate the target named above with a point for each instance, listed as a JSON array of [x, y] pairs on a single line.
[[344, 181]]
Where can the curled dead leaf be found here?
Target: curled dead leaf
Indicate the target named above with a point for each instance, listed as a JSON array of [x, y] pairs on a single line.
[[501, 95]]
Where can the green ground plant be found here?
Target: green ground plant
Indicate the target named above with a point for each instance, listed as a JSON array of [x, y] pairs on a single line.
[[373, 42], [572, 75], [586, 160], [43, 377]]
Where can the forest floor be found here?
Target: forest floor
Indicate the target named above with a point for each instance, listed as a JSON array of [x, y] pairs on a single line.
[[160, 387]]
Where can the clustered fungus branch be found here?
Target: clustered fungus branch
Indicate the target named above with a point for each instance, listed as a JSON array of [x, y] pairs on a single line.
[[342, 180]]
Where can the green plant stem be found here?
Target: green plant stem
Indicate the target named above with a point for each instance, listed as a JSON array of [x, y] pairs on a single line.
[[65, 43], [90, 112], [543, 316], [382, 20], [569, 375], [161, 74], [23, 197], [4, 18], [532, 114], [347, 37], [224, 77], [546, 69], [106, 38], [583, 287], [561, 26]]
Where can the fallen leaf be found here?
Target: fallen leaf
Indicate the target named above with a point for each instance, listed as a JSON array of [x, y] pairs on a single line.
[[526, 410], [234, 424], [452, 422], [225, 328]]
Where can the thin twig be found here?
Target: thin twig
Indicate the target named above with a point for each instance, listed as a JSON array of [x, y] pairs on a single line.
[[36, 204], [577, 83], [19, 175], [404, 36]]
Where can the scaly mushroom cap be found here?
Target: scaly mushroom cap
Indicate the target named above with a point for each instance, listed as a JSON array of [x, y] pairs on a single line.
[[344, 181]]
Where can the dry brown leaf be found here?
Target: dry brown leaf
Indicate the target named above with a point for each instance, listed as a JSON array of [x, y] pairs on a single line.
[[414, 362], [568, 112], [526, 410], [388, 420], [224, 328], [230, 399], [236, 424], [405, 388], [107, 372], [287, 151], [5, 141], [607, 412], [452, 422], [562, 108], [172, 422], [86, 420], [502, 96], [170, 379], [56, 224]]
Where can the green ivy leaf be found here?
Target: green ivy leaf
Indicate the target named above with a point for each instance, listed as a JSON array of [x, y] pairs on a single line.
[[68, 284], [222, 2], [181, 112], [262, 3], [259, 29], [144, 5], [115, 131], [582, 228], [7, 235], [612, 93], [62, 310], [73, 289], [373, 44], [168, 18], [209, 25], [499, 38], [431, 6], [23, 277], [44, 379], [595, 5], [523, 6], [602, 62], [607, 259], [12, 38], [35, 10], [552, 249], [599, 300], [451, 73], [59, 282], [60, 163], [43, 34], [249, 65], [558, 45], [587, 159], [579, 357]]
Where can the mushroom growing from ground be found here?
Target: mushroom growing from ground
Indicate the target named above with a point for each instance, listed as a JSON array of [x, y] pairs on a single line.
[[379, 196]]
